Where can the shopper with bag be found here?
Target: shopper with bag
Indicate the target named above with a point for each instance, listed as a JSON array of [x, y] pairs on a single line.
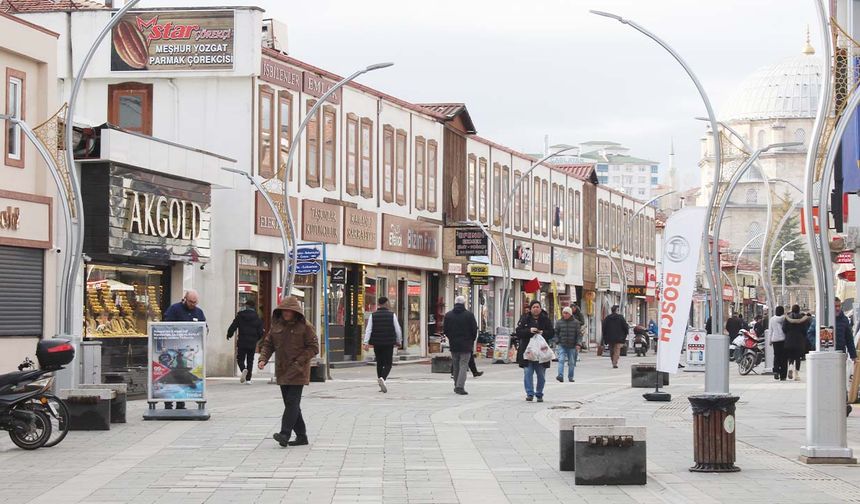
[[533, 352]]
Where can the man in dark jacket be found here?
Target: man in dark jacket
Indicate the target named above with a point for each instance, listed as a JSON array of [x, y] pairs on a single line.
[[186, 310], [461, 329], [615, 330], [536, 321], [844, 337], [383, 332], [568, 334], [250, 327], [734, 326]]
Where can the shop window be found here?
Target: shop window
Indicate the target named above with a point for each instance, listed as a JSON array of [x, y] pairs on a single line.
[[472, 186], [366, 157], [544, 208], [401, 167], [420, 180], [432, 170], [285, 131], [121, 301], [497, 194], [130, 106], [351, 154], [16, 97], [525, 188], [387, 163], [517, 205], [506, 189], [267, 131], [312, 146], [22, 280], [536, 198], [329, 148]]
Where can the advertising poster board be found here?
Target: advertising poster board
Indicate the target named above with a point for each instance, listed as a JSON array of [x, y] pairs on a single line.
[[177, 361]]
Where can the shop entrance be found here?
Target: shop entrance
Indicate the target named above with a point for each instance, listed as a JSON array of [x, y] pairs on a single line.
[[255, 283]]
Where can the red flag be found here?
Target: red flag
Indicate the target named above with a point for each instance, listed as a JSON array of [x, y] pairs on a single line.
[[532, 285]]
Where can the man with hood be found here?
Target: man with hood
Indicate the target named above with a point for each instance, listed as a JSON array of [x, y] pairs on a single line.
[[250, 327], [615, 330], [461, 329], [294, 343]]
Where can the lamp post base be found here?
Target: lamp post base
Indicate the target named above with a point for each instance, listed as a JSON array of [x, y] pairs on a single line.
[[826, 424]]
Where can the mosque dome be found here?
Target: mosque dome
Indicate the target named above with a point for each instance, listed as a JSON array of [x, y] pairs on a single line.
[[785, 90]]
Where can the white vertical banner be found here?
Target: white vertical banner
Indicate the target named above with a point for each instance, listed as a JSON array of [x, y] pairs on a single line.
[[682, 244]]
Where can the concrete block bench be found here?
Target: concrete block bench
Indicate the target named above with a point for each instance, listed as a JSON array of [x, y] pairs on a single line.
[[440, 364], [567, 427], [645, 376], [610, 455], [89, 409], [119, 401]]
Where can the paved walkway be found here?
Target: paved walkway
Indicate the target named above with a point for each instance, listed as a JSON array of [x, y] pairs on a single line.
[[420, 443]]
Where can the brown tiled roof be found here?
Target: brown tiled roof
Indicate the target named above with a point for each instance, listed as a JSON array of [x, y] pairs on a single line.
[[582, 171], [22, 6], [452, 110]]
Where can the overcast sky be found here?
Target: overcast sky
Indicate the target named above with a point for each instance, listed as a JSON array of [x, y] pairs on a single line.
[[526, 69]]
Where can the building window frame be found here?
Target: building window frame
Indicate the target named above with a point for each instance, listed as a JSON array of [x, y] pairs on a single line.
[[525, 189], [518, 217], [312, 148], [352, 145], [285, 132], [537, 206], [329, 148], [13, 137], [506, 189], [400, 158], [365, 137], [388, 163], [432, 174], [497, 193], [554, 192], [420, 172], [266, 138], [472, 186], [544, 200], [115, 94]]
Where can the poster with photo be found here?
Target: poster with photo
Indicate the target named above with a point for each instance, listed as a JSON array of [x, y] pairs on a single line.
[[177, 370]]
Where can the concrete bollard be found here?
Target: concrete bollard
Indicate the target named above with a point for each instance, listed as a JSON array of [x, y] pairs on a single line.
[[610, 455], [117, 403], [440, 364], [645, 376], [566, 431], [89, 409]]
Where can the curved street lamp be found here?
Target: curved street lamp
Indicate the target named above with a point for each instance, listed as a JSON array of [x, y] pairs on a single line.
[[289, 273]]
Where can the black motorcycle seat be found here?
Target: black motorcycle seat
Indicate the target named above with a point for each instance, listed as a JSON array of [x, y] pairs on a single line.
[[15, 377]]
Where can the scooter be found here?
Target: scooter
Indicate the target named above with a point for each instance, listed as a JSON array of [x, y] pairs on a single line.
[[736, 348], [753, 352], [21, 412], [640, 341]]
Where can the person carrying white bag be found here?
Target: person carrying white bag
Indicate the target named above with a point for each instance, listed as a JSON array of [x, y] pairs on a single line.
[[533, 352]]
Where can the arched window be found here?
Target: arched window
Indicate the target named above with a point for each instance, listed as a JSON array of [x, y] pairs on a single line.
[[760, 139], [753, 231], [800, 135], [752, 197]]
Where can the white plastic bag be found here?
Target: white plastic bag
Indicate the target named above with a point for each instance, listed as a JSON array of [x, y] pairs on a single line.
[[538, 350]]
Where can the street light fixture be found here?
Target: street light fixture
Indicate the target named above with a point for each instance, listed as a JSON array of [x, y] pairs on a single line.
[[289, 273]]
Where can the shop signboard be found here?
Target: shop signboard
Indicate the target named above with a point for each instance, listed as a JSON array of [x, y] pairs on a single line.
[[410, 236], [522, 255], [471, 242], [338, 275], [25, 220], [307, 253], [177, 361], [603, 281], [173, 40], [320, 222], [695, 350], [636, 290], [629, 272], [359, 228], [542, 258], [559, 261], [280, 74], [640, 275]]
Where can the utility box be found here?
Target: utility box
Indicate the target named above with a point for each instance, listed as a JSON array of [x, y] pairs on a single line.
[[91, 362]]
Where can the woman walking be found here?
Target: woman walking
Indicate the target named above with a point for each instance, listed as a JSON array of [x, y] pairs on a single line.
[[795, 328], [294, 343], [777, 340], [536, 321]]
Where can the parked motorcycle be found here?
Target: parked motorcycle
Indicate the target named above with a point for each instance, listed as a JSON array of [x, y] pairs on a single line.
[[753, 352], [25, 408], [736, 348], [641, 341]]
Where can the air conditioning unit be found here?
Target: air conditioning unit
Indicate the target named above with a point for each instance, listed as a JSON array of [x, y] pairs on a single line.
[[275, 35]]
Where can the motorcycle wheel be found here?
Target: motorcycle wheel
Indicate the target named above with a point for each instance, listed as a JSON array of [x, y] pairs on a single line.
[[746, 364], [36, 436], [58, 415]]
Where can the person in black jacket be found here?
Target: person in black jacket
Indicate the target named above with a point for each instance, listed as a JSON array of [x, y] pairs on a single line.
[[734, 325], [536, 321], [461, 329], [615, 330], [383, 332], [844, 334], [250, 327], [568, 335], [795, 327]]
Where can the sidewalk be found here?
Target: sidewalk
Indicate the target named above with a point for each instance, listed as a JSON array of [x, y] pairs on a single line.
[[420, 443]]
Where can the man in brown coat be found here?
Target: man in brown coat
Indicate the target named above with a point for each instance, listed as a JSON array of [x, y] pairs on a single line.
[[294, 343]]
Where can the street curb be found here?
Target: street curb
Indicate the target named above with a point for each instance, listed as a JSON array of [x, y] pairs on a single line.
[[356, 364]]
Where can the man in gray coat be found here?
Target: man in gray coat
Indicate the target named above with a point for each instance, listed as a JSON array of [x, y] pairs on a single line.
[[461, 329], [568, 335]]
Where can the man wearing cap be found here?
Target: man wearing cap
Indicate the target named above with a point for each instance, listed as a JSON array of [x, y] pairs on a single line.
[[461, 329], [568, 334]]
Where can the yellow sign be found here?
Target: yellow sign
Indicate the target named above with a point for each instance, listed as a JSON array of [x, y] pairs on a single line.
[[479, 270]]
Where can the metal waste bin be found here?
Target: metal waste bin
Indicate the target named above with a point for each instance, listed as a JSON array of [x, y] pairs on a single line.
[[714, 433]]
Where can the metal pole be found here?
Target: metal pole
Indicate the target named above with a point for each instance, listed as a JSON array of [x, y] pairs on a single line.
[[712, 267], [325, 312], [505, 213], [64, 205], [289, 275], [618, 244], [782, 259], [78, 246]]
